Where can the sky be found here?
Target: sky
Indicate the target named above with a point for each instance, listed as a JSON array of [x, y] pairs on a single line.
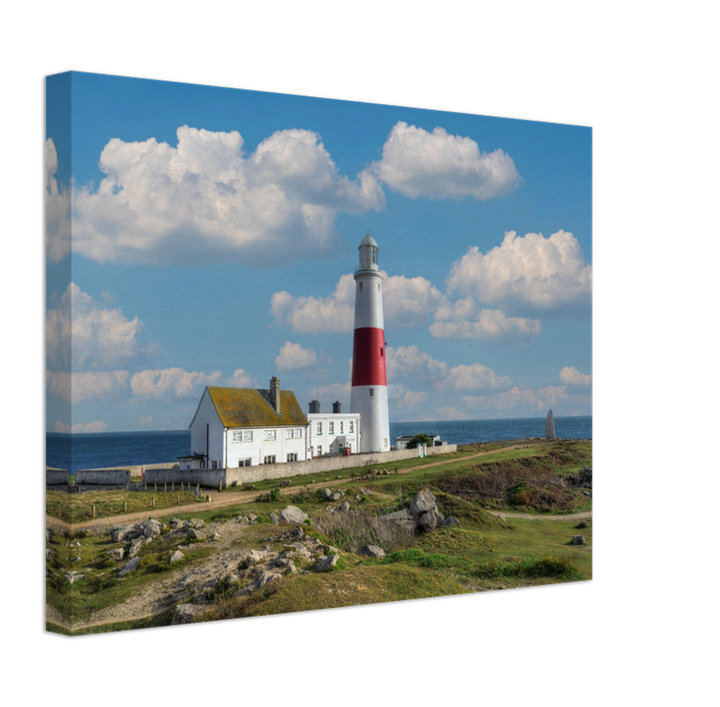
[[207, 236]]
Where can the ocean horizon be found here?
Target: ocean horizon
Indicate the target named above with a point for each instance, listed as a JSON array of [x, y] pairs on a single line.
[[107, 449]]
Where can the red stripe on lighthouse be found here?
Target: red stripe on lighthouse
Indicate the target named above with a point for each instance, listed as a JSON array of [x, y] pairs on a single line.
[[369, 357]]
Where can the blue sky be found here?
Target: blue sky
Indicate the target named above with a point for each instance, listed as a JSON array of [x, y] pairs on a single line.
[[209, 235]]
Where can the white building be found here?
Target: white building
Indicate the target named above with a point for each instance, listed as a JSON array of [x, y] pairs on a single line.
[[331, 433], [401, 442], [245, 427]]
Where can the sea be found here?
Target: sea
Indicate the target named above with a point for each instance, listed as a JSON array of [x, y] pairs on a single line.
[[107, 449]]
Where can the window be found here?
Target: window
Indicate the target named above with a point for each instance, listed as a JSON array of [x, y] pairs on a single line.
[[289, 434], [341, 426], [242, 436], [270, 435], [319, 450], [269, 459], [214, 463], [378, 282], [293, 434], [360, 285], [372, 392], [298, 433], [331, 428], [352, 427], [292, 457], [382, 352], [319, 428], [244, 462]]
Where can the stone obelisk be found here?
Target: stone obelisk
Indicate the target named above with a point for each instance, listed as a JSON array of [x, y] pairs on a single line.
[[549, 426]]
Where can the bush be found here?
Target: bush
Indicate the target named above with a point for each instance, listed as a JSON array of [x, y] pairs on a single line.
[[352, 530], [422, 438], [548, 566]]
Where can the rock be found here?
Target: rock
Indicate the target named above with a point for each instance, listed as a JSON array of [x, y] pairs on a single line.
[[450, 520], [73, 577], [336, 496], [325, 564], [48, 554], [424, 501], [117, 554], [297, 533], [582, 524], [176, 556], [252, 517], [588, 494], [130, 567], [578, 540], [274, 518], [196, 523], [325, 493], [293, 515], [185, 614], [215, 536], [192, 533], [371, 551], [117, 535], [330, 550], [429, 520], [365, 492], [344, 507], [151, 528], [177, 523], [252, 558], [48, 535], [135, 547]]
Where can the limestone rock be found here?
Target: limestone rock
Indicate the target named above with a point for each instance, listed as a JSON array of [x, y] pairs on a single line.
[[48, 535], [325, 564], [135, 547], [450, 520], [252, 558], [293, 515], [274, 518], [371, 551], [176, 556], [186, 613], [424, 501], [151, 528], [336, 496], [117, 554], [192, 533], [549, 426], [196, 523], [48, 554], [582, 524], [325, 493], [117, 535], [429, 520], [130, 567], [344, 506], [578, 539]]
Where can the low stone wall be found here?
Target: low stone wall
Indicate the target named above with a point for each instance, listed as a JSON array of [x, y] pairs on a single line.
[[250, 474], [54, 477], [204, 477], [136, 469], [103, 477]]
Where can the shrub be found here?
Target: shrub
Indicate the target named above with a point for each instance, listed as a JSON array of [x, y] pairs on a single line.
[[422, 438], [548, 566], [352, 530]]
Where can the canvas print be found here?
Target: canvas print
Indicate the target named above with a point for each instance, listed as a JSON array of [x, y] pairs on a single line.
[[305, 353]]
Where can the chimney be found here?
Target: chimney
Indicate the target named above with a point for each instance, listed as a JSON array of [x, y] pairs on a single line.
[[336, 407], [275, 393], [314, 407]]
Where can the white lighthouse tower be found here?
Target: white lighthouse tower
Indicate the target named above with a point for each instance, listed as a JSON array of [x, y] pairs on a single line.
[[369, 382]]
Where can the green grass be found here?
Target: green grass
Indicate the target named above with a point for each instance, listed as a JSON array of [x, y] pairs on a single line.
[[482, 552]]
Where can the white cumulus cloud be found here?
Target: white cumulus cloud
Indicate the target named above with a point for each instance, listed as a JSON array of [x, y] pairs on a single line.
[[172, 383], [57, 209], [473, 377], [241, 379], [207, 200], [571, 376], [84, 334], [464, 319], [86, 385], [294, 356], [533, 271], [439, 165], [411, 362]]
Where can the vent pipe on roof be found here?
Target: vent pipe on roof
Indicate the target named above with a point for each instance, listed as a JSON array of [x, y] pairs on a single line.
[[336, 407], [314, 407], [275, 393]]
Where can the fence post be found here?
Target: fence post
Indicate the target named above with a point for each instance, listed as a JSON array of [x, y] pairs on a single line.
[[172, 486], [153, 501], [93, 510], [125, 506], [178, 498], [155, 488], [146, 485], [182, 486]]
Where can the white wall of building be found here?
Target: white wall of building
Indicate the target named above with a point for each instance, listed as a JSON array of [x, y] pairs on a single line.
[[256, 443], [339, 429], [371, 402], [206, 429]]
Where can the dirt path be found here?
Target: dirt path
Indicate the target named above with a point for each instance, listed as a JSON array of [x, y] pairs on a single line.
[[231, 498], [155, 597]]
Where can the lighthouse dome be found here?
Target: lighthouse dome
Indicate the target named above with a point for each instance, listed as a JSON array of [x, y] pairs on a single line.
[[368, 253]]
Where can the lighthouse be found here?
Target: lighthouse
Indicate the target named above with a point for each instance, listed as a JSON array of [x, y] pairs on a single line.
[[369, 383]]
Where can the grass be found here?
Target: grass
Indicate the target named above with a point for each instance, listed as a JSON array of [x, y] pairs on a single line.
[[482, 552]]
